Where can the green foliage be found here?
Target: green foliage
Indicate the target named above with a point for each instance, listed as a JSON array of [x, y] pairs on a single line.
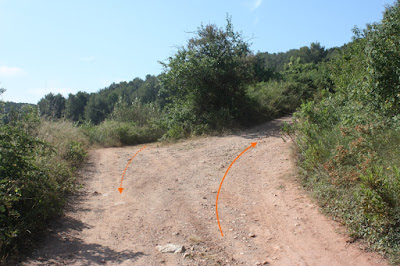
[[383, 61], [140, 113], [10, 111], [75, 106], [52, 106], [261, 72], [367, 72], [67, 139], [111, 133], [35, 176], [348, 169], [148, 92], [129, 124], [97, 109], [179, 121], [209, 75], [274, 98], [31, 188], [76, 153], [284, 93], [349, 141], [276, 62]]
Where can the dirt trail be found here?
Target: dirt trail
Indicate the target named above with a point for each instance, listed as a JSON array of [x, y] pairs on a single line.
[[169, 197]]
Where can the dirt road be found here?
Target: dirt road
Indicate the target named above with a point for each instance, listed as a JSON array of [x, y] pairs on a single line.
[[169, 197]]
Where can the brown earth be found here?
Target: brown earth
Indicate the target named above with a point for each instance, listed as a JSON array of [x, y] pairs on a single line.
[[169, 197]]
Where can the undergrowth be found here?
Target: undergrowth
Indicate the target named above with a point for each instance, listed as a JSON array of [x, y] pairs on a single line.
[[349, 142], [38, 159], [352, 169], [111, 133]]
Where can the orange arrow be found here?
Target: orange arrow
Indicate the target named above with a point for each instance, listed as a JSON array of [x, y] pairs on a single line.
[[123, 174], [253, 144]]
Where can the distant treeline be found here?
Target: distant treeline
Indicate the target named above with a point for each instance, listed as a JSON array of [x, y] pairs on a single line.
[[12, 110], [96, 107], [315, 53]]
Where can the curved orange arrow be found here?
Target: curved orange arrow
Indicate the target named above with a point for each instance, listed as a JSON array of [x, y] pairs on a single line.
[[123, 174], [253, 144]]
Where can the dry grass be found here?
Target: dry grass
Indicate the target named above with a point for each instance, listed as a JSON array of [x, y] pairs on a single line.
[[61, 134]]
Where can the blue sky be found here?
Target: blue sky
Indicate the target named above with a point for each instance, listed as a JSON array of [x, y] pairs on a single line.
[[66, 46]]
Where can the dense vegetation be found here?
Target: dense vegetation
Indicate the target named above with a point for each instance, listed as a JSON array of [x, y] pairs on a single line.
[[346, 127], [213, 83], [37, 162], [349, 141]]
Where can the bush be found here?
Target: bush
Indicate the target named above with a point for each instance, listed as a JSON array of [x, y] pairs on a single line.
[[205, 81], [37, 162], [274, 98], [32, 187], [286, 92], [349, 142], [112, 133], [137, 112], [351, 165]]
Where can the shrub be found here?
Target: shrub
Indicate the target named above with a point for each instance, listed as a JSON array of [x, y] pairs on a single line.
[[112, 133], [274, 98], [32, 188], [352, 168], [37, 162], [140, 113], [208, 76]]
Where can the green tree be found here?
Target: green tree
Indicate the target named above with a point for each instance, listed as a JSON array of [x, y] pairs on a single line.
[[75, 106], [277, 61], [96, 109], [2, 112], [263, 73], [206, 79], [367, 73], [383, 61], [148, 91], [52, 106]]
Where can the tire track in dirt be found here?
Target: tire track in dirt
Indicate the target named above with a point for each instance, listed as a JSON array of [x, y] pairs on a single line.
[[169, 197]]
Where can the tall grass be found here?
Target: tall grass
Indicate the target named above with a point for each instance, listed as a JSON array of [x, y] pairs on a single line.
[[129, 124], [68, 139], [112, 133]]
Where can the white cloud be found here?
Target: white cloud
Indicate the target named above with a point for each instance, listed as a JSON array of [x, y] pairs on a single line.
[[6, 71], [256, 4]]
